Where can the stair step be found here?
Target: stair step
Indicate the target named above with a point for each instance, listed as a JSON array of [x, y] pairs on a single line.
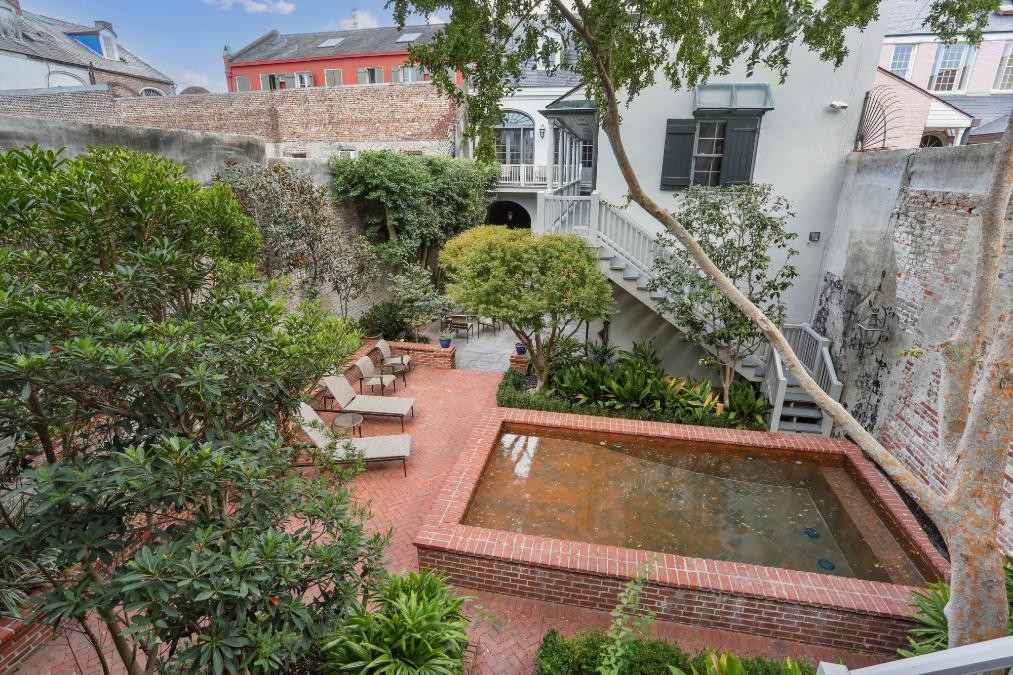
[[658, 295], [631, 274], [798, 396], [605, 253], [800, 427], [751, 361], [798, 412], [643, 283], [617, 264]]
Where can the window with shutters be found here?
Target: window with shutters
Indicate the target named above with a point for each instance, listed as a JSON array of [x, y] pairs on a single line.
[[372, 75], [242, 83], [710, 149], [408, 74], [332, 78], [708, 152], [303, 80]]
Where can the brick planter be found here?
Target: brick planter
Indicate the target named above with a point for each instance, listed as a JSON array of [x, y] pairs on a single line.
[[779, 603], [518, 362]]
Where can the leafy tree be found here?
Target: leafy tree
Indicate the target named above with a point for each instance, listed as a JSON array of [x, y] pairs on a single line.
[[738, 226], [353, 269], [413, 203], [624, 47], [294, 218], [416, 296], [146, 386], [541, 287]]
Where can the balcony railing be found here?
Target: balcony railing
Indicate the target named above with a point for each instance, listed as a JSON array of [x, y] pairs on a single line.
[[536, 175]]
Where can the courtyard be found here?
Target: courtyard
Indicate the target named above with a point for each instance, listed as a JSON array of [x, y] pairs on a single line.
[[505, 630]]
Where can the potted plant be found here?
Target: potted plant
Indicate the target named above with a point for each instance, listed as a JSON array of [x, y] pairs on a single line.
[[521, 349], [445, 336]]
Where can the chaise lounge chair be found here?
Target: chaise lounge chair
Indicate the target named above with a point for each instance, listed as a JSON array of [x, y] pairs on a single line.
[[388, 359], [373, 449], [368, 376], [342, 393]]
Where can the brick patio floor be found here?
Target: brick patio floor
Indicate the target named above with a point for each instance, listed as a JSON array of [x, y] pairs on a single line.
[[507, 629]]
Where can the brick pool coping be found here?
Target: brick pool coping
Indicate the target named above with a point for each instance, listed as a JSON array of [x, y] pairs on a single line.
[[784, 603]]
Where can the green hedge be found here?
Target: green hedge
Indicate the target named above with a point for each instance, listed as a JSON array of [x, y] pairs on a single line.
[[510, 395], [581, 655]]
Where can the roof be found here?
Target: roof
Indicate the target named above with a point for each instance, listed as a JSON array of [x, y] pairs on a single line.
[[993, 110], [907, 17], [275, 46], [44, 37], [921, 90], [533, 76]]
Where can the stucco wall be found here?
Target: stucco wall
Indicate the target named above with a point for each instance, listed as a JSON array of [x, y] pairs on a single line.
[[906, 237], [18, 72], [801, 151], [203, 153]]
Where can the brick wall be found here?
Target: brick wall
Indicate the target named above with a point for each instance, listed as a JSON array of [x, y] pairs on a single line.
[[759, 616], [128, 85], [431, 355], [908, 110], [314, 121], [906, 239], [18, 640]]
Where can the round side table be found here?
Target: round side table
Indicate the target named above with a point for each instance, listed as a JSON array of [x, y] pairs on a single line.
[[348, 423]]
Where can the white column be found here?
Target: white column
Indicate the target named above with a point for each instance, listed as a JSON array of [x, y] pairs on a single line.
[[550, 158]]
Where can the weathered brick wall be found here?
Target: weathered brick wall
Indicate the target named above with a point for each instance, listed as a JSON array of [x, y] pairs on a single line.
[[127, 85], [315, 122], [18, 640], [907, 236]]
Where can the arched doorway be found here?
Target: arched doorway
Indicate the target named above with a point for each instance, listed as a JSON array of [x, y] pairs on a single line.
[[511, 214]]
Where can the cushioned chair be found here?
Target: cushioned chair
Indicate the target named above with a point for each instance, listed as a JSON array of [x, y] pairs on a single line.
[[387, 357], [371, 378], [341, 392], [372, 449]]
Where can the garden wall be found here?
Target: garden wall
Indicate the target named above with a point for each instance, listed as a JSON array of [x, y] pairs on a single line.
[[906, 237]]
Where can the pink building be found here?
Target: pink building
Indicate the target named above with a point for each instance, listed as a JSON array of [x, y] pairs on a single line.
[[966, 92]]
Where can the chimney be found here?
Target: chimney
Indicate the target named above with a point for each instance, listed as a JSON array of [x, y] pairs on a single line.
[[104, 25], [17, 6]]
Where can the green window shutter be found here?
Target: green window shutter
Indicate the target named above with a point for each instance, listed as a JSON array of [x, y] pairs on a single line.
[[332, 77], [265, 83], [395, 74], [677, 163], [362, 76], [740, 150]]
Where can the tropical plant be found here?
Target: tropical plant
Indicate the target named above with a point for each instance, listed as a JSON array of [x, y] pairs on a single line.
[[412, 204], [145, 379], [747, 407], [929, 605], [723, 663], [294, 217], [739, 227], [415, 625], [543, 287], [489, 43]]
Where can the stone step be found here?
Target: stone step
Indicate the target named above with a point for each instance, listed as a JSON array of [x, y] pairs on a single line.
[[631, 274]]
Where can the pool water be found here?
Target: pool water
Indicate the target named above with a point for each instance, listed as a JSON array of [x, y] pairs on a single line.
[[703, 500]]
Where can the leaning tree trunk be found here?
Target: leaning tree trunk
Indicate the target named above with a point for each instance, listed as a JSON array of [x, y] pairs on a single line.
[[975, 604]]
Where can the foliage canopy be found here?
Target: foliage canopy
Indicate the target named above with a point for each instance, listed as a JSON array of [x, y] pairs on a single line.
[[146, 383]]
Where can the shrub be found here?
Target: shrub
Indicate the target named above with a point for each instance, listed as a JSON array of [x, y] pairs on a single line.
[[386, 320], [415, 626], [746, 406]]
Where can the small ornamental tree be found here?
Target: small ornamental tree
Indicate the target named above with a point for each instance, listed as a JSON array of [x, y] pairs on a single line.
[[145, 382], [412, 204], [353, 269], [541, 287], [739, 226], [292, 214]]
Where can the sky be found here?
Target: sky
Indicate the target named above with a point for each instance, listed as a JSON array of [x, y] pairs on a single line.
[[184, 38]]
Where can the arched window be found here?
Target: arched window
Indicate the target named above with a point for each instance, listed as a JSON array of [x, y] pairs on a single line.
[[931, 141], [515, 143], [60, 78], [152, 91]]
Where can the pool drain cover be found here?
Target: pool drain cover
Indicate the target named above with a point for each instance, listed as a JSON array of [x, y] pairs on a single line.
[[812, 532], [826, 564]]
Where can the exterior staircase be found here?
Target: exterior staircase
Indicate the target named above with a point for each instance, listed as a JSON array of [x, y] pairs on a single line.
[[626, 254]]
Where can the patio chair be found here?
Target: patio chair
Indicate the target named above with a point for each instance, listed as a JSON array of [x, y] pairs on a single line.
[[341, 392], [373, 449], [461, 322], [388, 359], [370, 377], [487, 322]]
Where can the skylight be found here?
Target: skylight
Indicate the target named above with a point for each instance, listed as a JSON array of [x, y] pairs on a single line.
[[409, 37], [330, 42]]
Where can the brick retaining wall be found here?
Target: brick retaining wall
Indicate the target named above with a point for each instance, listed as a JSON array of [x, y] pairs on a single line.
[[18, 640]]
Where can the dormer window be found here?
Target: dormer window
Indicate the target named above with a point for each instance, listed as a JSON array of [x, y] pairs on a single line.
[[109, 48], [554, 43]]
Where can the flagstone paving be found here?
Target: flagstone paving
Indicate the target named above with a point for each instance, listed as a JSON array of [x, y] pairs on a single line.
[[506, 629]]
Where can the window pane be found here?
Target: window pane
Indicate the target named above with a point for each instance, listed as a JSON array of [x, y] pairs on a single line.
[[950, 70], [900, 64], [1004, 77], [710, 147], [528, 156]]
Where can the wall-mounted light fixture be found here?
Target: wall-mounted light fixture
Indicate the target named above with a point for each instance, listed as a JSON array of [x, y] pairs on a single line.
[[875, 328], [541, 131], [814, 237]]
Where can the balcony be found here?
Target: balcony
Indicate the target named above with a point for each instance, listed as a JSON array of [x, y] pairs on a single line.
[[536, 175]]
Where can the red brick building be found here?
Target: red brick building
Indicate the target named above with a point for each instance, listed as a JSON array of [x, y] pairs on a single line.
[[328, 59]]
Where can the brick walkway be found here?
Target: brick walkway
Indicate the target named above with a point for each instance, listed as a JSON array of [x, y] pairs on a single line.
[[507, 629]]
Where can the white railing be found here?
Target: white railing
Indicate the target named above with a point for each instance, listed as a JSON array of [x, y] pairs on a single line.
[[523, 174], [601, 223], [980, 657]]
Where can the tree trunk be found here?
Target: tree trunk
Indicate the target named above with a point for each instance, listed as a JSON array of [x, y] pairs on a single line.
[[125, 650]]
